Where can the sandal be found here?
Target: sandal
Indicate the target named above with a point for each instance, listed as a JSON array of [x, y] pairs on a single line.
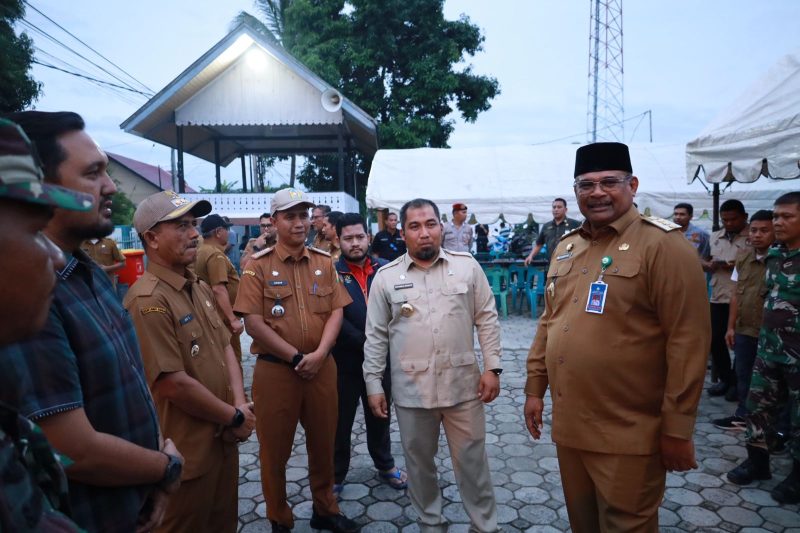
[[395, 478]]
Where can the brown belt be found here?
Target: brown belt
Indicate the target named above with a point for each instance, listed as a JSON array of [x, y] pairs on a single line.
[[272, 359]]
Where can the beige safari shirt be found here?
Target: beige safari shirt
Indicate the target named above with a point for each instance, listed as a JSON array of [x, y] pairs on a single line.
[[214, 267], [431, 347], [724, 249], [622, 378]]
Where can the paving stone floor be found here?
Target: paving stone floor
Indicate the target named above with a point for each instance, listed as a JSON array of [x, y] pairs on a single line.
[[525, 474]]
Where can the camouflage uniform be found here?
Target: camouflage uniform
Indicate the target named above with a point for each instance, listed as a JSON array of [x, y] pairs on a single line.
[[776, 373], [33, 483]]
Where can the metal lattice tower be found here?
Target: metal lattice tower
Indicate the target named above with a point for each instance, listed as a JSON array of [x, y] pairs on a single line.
[[606, 110]]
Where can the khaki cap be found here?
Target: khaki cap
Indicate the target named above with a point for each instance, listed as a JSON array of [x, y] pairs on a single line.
[[163, 206], [287, 198]]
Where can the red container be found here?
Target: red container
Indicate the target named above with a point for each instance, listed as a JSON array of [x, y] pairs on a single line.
[[134, 266]]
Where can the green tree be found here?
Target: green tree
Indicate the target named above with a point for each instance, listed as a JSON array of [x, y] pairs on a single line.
[[122, 209], [17, 88], [399, 60], [225, 187]]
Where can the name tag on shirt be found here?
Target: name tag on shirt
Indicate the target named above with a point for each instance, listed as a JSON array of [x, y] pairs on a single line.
[[185, 320], [596, 302], [564, 256], [278, 283], [403, 286]]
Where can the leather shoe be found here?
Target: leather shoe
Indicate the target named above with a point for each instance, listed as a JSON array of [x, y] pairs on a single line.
[[718, 389], [338, 523], [279, 528]]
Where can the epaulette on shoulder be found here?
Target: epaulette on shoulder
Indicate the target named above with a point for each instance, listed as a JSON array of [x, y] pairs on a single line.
[[391, 264], [323, 252], [569, 233], [661, 223], [262, 253], [144, 286]]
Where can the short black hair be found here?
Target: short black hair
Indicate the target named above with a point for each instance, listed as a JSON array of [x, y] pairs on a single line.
[[560, 200], [416, 203], [324, 208], [265, 215], [789, 198], [763, 214], [683, 205], [350, 219], [333, 217], [732, 205], [43, 128]]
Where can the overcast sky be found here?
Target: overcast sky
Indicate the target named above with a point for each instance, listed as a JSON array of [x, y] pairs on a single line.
[[685, 60]]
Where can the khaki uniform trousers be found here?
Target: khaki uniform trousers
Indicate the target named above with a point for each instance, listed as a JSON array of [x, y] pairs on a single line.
[[236, 344], [209, 502], [465, 429], [282, 398], [610, 493]]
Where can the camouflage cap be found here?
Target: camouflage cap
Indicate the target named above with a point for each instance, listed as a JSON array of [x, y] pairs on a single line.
[[287, 198], [21, 174], [164, 206]]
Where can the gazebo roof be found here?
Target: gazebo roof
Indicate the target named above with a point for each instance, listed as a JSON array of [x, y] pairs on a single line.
[[253, 97]]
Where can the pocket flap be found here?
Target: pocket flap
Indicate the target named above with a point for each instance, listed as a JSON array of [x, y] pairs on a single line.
[[462, 359], [624, 269], [321, 290], [455, 288], [405, 295], [278, 292], [559, 268], [414, 365]]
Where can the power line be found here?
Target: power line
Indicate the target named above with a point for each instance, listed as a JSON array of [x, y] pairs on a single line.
[[62, 28], [95, 80], [56, 41]]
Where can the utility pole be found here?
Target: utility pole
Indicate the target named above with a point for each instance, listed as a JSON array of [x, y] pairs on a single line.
[[605, 111]]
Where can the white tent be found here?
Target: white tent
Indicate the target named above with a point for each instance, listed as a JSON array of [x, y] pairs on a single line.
[[758, 135], [514, 181]]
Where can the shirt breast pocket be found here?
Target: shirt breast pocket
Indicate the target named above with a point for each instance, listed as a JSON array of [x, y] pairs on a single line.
[[405, 296], [622, 279], [274, 297], [320, 298], [456, 297], [190, 338]]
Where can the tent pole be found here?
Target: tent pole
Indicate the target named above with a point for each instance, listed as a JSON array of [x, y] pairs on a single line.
[[181, 179], [244, 175], [217, 174], [715, 196]]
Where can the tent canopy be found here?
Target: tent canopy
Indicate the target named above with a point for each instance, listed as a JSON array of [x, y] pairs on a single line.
[[759, 135], [514, 181]]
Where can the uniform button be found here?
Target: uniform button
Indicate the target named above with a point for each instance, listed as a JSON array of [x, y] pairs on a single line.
[[430, 291], [212, 343], [559, 394], [574, 300], [194, 334], [433, 310], [301, 306], [436, 331], [584, 270], [594, 243], [566, 328], [616, 269], [560, 360]]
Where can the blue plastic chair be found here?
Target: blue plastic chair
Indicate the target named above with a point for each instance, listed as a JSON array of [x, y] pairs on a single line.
[[534, 288], [517, 278], [498, 280]]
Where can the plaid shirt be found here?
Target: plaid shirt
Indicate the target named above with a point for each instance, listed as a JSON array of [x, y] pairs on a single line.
[[87, 356]]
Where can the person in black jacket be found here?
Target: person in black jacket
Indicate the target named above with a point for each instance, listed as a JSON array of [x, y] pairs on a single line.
[[356, 269]]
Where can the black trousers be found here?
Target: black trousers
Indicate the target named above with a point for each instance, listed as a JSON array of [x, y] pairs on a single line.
[[352, 388], [720, 356]]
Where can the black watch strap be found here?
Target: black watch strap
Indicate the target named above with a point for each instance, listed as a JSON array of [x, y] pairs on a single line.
[[172, 472], [496, 371], [238, 419], [296, 359]]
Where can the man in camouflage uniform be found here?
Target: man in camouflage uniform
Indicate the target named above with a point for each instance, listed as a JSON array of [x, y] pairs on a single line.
[[33, 487], [776, 373]]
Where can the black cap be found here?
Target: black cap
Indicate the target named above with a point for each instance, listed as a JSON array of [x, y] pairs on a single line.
[[212, 222], [597, 157]]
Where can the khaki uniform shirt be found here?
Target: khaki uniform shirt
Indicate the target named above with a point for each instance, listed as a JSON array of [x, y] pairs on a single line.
[[321, 243], [179, 329], [457, 239], [431, 348], [622, 378], [214, 267], [250, 249], [309, 289], [724, 249], [751, 287], [104, 252]]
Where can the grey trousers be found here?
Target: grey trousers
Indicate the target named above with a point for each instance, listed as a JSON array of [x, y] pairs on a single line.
[[465, 429]]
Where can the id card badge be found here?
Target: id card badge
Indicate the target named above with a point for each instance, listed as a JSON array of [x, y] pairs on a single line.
[[597, 298]]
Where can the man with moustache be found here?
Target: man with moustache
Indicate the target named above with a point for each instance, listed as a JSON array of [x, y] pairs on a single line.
[[776, 372], [357, 271], [622, 345], [33, 486], [553, 231], [329, 232], [422, 314], [267, 239], [292, 299], [457, 234], [189, 364], [316, 237], [81, 377]]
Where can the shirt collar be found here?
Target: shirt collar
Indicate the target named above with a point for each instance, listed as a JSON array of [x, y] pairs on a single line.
[[408, 261], [283, 253], [173, 279]]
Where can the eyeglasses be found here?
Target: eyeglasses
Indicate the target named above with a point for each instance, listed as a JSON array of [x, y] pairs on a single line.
[[265, 225], [606, 185]]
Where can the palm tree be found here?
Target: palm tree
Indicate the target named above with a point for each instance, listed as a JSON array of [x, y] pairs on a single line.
[[273, 12]]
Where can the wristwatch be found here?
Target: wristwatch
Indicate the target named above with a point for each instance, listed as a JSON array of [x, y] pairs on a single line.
[[296, 359], [173, 471], [238, 419], [496, 371]]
